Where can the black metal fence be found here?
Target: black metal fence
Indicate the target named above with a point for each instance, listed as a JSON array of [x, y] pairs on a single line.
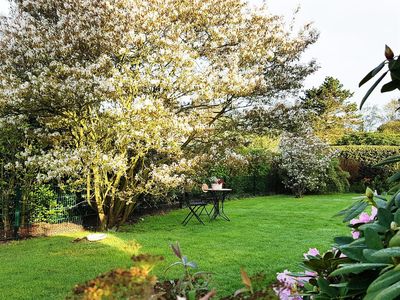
[[17, 216]]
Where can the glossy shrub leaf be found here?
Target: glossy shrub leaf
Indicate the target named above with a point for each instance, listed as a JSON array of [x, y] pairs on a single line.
[[372, 73], [377, 227], [355, 210], [371, 89], [397, 215], [368, 254], [395, 177], [385, 217], [389, 293], [394, 65], [372, 239], [325, 288], [390, 160], [353, 252], [390, 86], [357, 268], [388, 252], [384, 281], [343, 240]]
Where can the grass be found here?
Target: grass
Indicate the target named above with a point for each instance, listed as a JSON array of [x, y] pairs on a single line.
[[267, 234]]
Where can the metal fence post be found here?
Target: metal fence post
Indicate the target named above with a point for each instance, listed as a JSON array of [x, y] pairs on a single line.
[[17, 216]]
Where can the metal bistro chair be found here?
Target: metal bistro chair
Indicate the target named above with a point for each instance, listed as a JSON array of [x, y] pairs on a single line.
[[196, 207]]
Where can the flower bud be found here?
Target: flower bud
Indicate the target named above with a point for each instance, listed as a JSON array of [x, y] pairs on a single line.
[[388, 53], [394, 226]]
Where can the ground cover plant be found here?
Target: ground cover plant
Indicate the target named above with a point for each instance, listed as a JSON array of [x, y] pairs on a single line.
[[266, 234]]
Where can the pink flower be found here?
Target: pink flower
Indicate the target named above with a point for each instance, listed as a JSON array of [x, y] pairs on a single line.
[[312, 252], [355, 234], [374, 212], [285, 278], [364, 218]]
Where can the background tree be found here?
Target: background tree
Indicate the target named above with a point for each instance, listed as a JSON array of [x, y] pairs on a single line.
[[391, 110], [372, 118], [334, 113], [122, 94]]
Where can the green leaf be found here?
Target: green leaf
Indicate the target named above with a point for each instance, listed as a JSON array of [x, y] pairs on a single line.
[[356, 268], [370, 296], [397, 216], [389, 160], [343, 240], [356, 210], [389, 293], [372, 239], [353, 252], [394, 177], [374, 226], [368, 254], [384, 281], [322, 297], [385, 217], [372, 88], [394, 64], [395, 73], [325, 288], [388, 252], [390, 86], [372, 73]]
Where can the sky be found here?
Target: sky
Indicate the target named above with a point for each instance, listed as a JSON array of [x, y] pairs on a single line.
[[353, 34]]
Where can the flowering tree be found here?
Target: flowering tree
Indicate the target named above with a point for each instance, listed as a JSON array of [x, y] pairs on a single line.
[[304, 161], [120, 94]]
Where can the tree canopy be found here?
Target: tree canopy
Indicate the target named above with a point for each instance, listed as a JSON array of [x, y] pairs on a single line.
[[119, 96], [334, 114]]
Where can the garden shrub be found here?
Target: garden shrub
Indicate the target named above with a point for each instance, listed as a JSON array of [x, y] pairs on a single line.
[[304, 162], [368, 154], [360, 160], [44, 206], [336, 180], [133, 283], [370, 138]]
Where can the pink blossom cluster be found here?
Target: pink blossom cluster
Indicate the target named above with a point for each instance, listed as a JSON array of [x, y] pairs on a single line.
[[289, 288], [363, 219]]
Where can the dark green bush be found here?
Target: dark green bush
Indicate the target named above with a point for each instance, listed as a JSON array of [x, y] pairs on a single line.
[[336, 180], [44, 206], [370, 138], [359, 161]]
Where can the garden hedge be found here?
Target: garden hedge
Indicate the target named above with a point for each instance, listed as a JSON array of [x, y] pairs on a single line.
[[370, 138], [367, 154]]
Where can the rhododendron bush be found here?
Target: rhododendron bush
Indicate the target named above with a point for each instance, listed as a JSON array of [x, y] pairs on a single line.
[[118, 95]]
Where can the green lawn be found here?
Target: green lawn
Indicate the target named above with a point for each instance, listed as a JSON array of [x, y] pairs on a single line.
[[265, 234]]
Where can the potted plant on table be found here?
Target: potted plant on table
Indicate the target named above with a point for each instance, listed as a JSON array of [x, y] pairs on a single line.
[[216, 183]]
